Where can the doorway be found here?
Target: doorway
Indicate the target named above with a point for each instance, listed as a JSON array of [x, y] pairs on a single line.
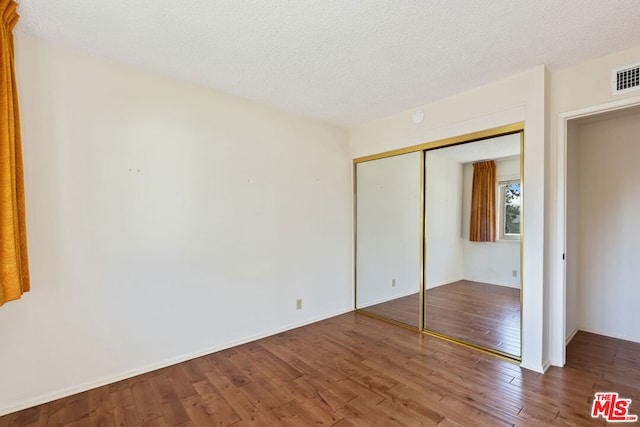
[[598, 207]]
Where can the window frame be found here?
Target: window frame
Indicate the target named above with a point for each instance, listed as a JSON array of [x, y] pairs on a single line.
[[501, 208]]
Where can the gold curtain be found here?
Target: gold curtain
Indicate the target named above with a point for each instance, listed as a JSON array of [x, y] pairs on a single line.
[[14, 273], [483, 203]]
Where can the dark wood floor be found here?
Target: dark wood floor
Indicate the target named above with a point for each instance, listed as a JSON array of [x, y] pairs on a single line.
[[478, 313], [355, 370], [404, 310]]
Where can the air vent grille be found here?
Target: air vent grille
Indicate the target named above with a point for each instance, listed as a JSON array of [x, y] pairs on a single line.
[[625, 79]]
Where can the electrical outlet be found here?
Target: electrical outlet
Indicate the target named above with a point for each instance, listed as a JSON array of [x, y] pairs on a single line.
[[514, 273], [298, 304], [393, 283]]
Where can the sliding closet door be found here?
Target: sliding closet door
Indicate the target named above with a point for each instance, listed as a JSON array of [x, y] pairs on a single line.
[[388, 240], [472, 243]]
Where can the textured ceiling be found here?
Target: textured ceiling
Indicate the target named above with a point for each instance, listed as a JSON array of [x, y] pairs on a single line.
[[342, 61]]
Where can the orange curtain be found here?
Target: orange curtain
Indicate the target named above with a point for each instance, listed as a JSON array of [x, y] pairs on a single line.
[[14, 273], [483, 203]]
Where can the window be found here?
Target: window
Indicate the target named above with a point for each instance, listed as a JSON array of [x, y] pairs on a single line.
[[509, 208]]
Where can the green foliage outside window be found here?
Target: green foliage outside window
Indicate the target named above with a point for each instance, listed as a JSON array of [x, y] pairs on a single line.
[[512, 208]]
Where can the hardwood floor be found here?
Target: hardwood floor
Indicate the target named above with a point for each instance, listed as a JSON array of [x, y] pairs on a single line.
[[404, 310], [355, 370], [478, 313]]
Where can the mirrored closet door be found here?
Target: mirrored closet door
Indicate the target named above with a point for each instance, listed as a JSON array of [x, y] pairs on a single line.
[[438, 238], [388, 241], [473, 216]]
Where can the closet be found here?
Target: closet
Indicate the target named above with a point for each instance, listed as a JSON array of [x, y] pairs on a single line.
[[438, 238]]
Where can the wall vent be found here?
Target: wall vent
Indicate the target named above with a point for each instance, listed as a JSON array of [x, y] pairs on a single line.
[[625, 79]]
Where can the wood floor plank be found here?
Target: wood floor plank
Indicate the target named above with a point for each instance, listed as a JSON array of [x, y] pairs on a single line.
[[416, 403], [180, 381], [353, 370], [170, 406], [125, 412], [28, 417], [198, 413], [478, 313], [215, 404], [100, 407], [145, 402], [238, 401]]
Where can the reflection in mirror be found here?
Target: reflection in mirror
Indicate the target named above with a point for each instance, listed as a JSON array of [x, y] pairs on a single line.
[[472, 243], [388, 220]]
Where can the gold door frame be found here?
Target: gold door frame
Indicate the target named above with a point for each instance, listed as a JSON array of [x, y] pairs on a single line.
[[447, 142]]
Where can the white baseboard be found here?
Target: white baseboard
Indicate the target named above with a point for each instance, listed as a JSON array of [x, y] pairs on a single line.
[[607, 334], [391, 298], [69, 391], [546, 366], [541, 369], [438, 284], [480, 280], [492, 282], [571, 335]]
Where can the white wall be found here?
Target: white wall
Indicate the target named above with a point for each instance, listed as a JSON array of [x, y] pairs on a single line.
[[388, 218], [443, 192], [165, 221], [490, 262], [607, 231], [517, 98], [571, 89]]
